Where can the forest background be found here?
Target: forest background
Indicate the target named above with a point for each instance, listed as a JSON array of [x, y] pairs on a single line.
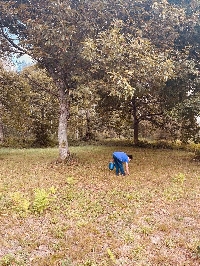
[[112, 69]]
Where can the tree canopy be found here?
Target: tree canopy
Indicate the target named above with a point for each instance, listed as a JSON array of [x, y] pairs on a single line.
[[128, 48]]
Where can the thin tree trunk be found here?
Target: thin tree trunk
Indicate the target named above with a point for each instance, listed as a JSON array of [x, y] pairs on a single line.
[[135, 122], [1, 125], [136, 131], [88, 134], [62, 127], [1, 132]]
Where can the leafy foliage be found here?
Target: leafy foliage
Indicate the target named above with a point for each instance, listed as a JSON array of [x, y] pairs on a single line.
[[29, 111], [131, 49], [42, 199]]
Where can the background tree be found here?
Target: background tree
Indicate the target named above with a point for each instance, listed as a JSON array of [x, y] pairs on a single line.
[[84, 120], [51, 32], [29, 108], [14, 107], [135, 70], [43, 105], [139, 55], [189, 36]]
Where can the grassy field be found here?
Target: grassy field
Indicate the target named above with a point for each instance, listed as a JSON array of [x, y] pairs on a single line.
[[81, 214]]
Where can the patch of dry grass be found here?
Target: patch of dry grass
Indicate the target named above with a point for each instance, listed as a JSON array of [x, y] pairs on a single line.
[[83, 215]]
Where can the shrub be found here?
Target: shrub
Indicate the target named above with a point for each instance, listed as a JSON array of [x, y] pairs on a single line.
[[20, 203], [42, 199]]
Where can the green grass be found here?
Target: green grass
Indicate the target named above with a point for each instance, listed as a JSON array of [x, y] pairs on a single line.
[[81, 214]]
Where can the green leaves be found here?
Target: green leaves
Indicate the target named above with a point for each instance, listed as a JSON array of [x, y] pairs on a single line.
[[125, 48], [130, 63]]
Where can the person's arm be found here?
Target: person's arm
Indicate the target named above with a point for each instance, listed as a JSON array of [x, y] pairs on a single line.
[[127, 168]]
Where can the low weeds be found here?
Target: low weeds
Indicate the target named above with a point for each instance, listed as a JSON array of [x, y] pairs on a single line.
[[81, 214], [20, 204], [42, 199]]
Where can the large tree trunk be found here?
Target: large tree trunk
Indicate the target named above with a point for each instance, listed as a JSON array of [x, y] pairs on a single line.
[[62, 127], [135, 121]]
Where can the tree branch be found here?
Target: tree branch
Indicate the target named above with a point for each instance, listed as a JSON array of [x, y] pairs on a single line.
[[11, 42]]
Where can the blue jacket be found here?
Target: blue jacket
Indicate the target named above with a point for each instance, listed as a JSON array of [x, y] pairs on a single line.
[[121, 156]]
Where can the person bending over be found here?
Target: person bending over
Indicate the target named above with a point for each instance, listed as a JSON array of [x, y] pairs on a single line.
[[119, 158]]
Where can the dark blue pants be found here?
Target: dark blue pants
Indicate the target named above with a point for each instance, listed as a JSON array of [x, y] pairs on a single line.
[[119, 166]]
